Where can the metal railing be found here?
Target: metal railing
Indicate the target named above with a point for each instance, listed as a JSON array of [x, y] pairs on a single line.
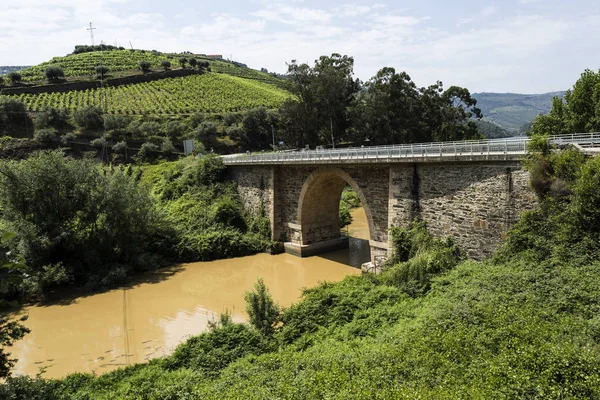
[[472, 149]]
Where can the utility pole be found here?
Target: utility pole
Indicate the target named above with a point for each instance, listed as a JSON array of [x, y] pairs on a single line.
[[273, 133], [91, 29]]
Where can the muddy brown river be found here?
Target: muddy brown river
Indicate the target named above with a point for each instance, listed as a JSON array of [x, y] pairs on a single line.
[[102, 332]]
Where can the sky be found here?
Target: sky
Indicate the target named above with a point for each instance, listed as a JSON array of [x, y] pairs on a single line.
[[522, 46]]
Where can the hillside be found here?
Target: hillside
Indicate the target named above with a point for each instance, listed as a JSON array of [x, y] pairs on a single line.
[[125, 62], [512, 111], [207, 93]]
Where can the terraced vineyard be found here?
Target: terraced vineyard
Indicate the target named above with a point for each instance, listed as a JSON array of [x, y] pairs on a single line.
[[84, 64], [207, 93]]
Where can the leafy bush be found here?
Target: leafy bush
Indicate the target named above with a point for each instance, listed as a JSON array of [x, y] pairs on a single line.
[[206, 133], [92, 223], [167, 146], [98, 142], [14, 77], [50, 117], [54, 73], [147, 151], [14, 120], [145, 66], [166, 65], [210, 352], [88, 118], [261, 309], [45, 135], [101, 71], [182, 61]]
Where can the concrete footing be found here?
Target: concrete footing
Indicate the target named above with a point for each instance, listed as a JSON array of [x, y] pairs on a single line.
[[316, 248]]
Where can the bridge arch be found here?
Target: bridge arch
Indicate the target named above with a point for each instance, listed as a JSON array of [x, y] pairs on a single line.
[[319, 202]]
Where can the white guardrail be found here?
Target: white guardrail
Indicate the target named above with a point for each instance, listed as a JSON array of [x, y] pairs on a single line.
[[509, 148]]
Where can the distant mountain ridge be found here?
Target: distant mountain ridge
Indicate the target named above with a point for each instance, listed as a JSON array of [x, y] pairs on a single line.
[[5, 69], [514, 112]]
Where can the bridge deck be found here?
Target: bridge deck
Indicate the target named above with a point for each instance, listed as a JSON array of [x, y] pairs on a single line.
[[471, 150]]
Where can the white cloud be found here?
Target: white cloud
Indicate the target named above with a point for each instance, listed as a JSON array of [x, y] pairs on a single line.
[[483, 51]]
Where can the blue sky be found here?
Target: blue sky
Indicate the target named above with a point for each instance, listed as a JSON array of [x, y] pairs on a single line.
[[525, 46]]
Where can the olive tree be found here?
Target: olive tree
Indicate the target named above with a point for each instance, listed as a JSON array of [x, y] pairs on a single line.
[[54, 73]]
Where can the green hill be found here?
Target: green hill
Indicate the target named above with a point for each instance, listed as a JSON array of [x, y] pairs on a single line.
[[206, 93], [125, 62], [512, 111]]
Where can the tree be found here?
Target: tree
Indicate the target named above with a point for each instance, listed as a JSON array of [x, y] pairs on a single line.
[[11, 273], [101, 71], [54, 73], [72, 212], [145, 66], [183, 61], [392, 109], [1, 80], [14, 120], [578, 113], [261, 308], [14, 77], [50, 117], [166, 65], [206, 133], [193, 62], [324, 94], [258, 129], [88, 118], [203, 66]]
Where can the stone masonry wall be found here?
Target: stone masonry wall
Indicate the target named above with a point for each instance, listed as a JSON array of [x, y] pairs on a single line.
[[475, 204], [256, 187]]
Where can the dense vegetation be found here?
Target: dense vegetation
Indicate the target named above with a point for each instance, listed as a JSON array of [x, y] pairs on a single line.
[[578, 112], [331, 107], [207, 93], [522, 324], [79, 223]]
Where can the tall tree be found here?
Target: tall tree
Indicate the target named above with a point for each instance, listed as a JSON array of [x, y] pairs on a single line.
[[392, 109], [578, 113], [319, 113]]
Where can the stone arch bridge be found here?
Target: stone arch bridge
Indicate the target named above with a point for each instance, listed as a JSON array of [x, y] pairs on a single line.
[[470, 191]]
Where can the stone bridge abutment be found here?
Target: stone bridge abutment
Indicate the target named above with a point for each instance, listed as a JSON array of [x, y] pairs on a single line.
[[474, 203]]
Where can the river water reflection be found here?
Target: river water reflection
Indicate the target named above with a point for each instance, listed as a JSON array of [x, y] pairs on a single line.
[[102, 332]]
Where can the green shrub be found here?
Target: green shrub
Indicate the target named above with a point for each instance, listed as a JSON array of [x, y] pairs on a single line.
[[88, 118], [50, 117], [418, 258], [95, 221], [54, 73], [261, 309], [145, 66], [147, 151], [101, 71], [14, 77], [166, 65], [45, 136], [98, 142], [167, 146], [212, 351]]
